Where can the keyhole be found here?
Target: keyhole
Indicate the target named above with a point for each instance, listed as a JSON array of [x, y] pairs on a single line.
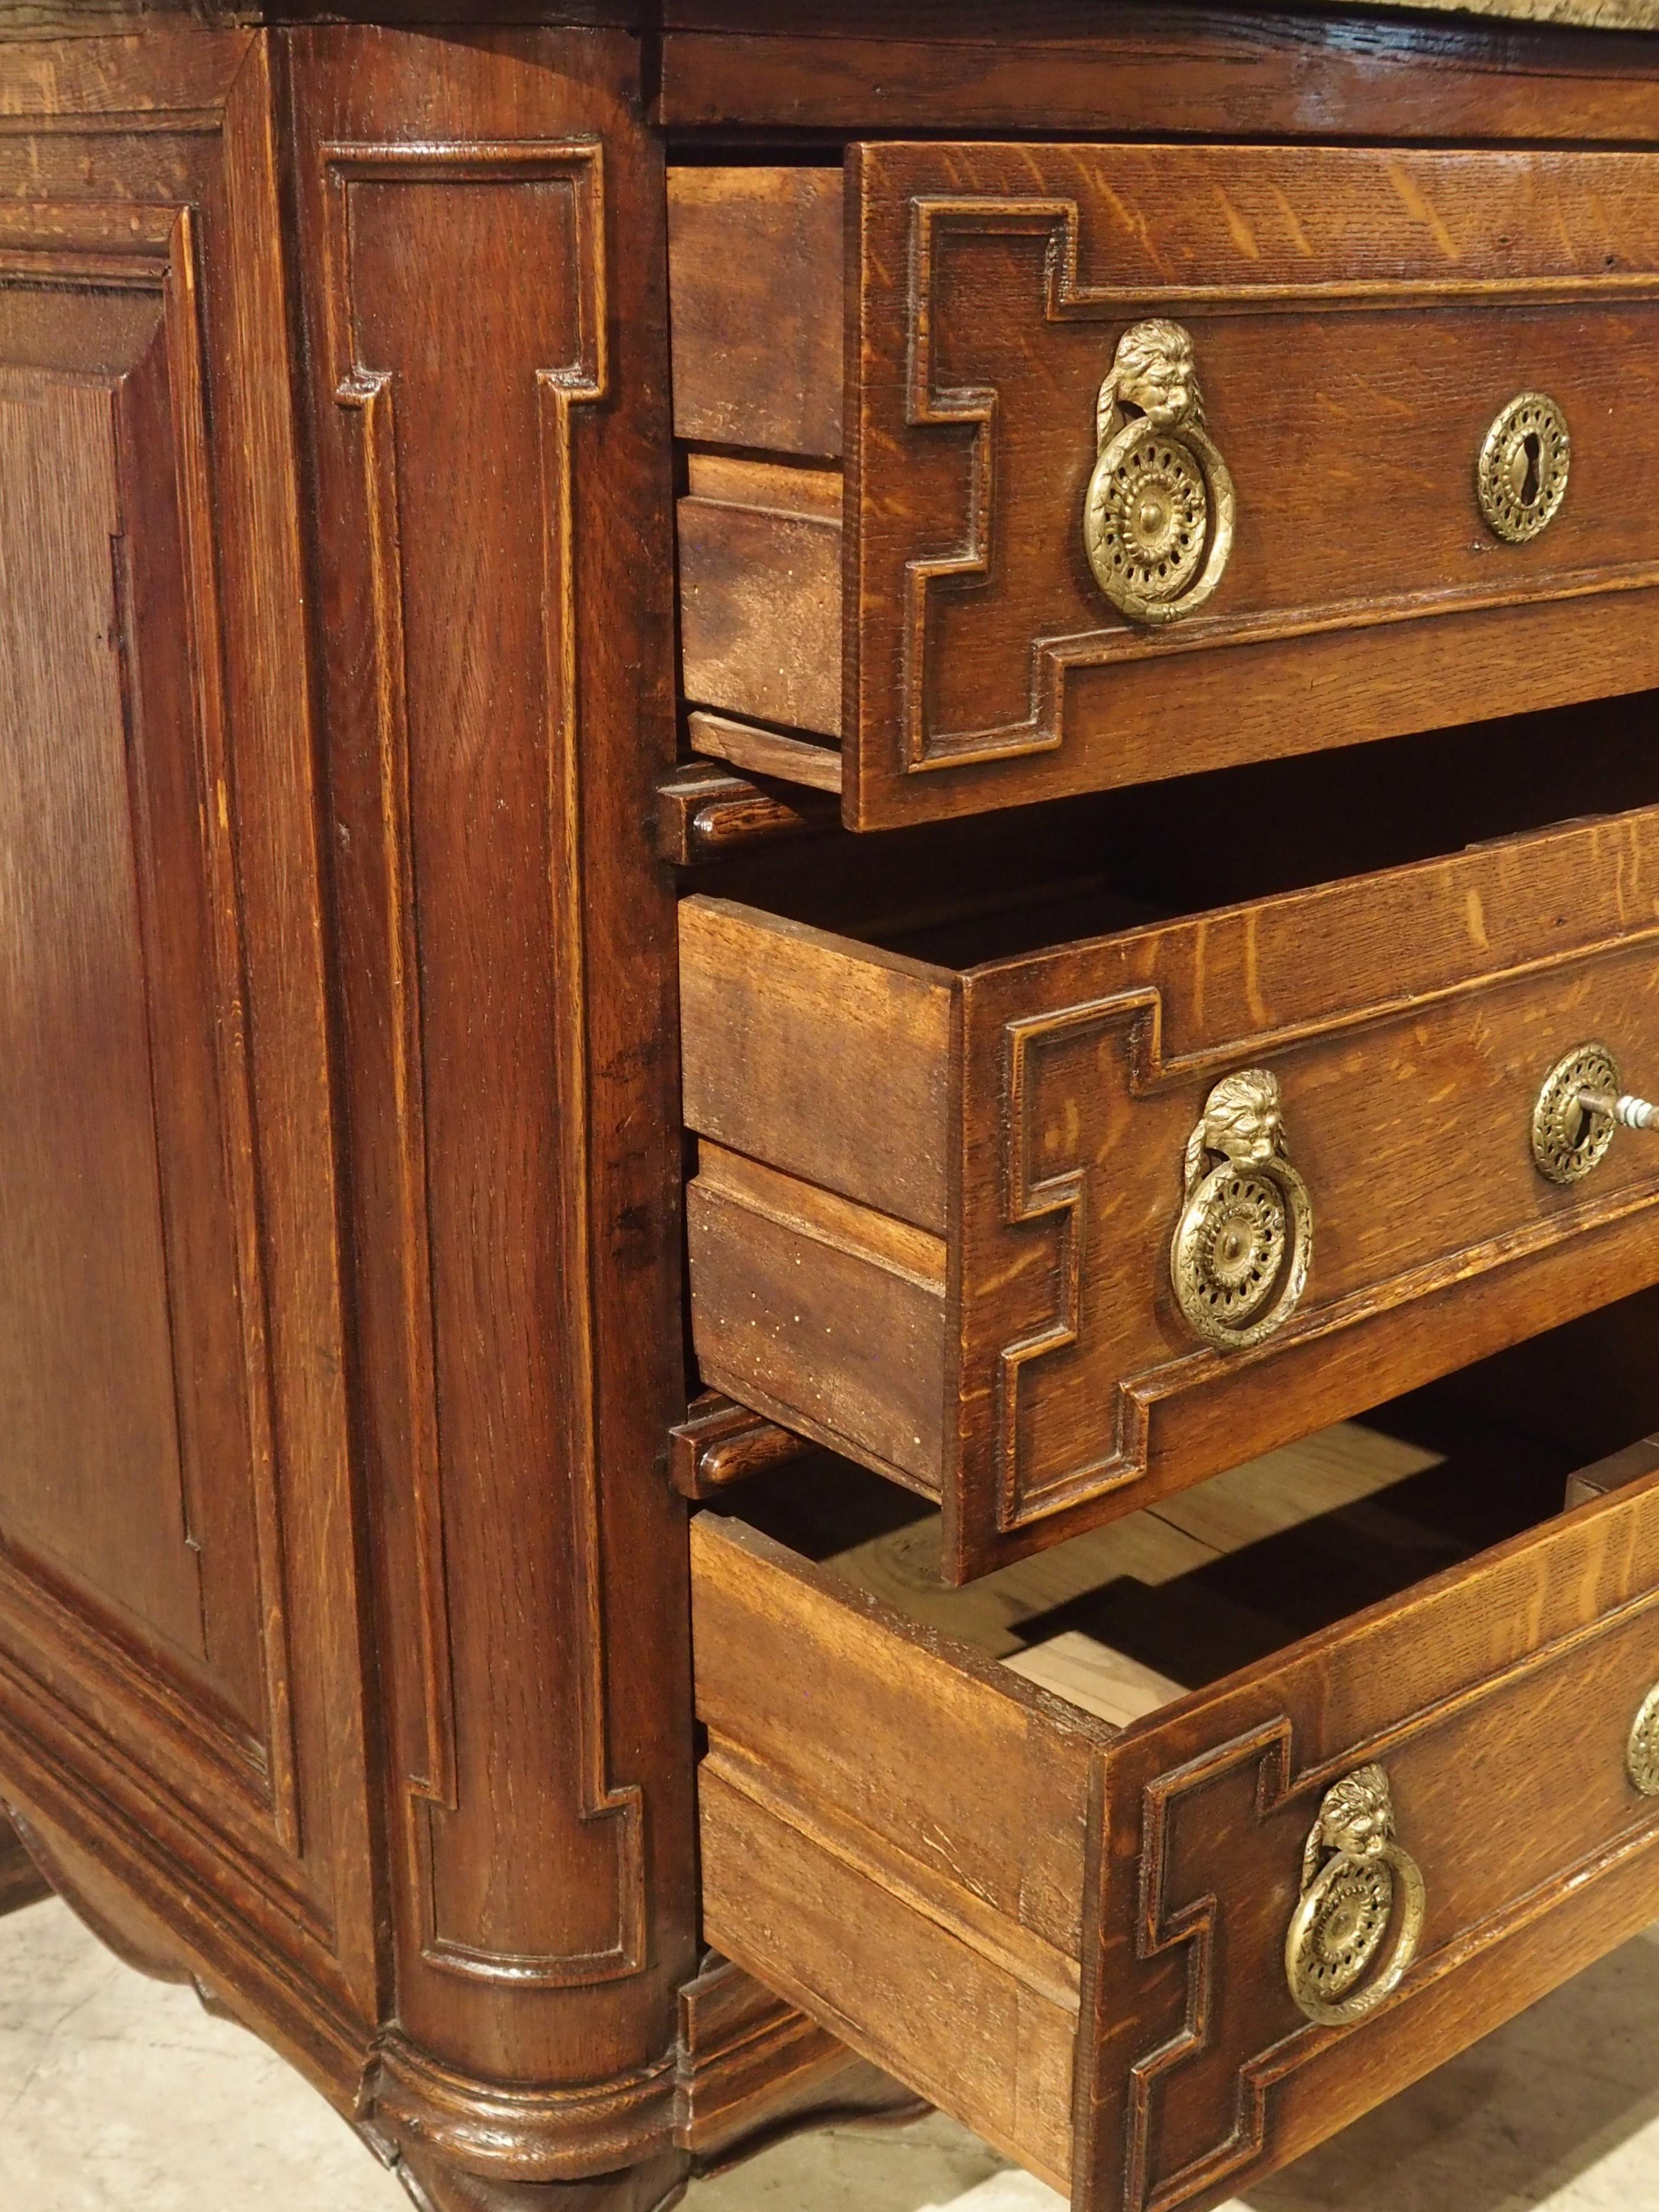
[[1525, 469]]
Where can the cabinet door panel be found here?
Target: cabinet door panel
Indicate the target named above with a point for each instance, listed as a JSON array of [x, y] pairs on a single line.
[[181, 1697], [114, 1377]]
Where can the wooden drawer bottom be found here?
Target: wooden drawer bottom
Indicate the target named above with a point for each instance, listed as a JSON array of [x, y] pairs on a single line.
[[1035, 1846]]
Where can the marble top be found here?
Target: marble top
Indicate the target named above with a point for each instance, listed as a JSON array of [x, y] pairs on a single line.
[[1593, 14]]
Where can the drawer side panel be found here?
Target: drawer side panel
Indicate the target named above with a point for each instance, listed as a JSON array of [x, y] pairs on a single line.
[[821, 1057], [822, 1314], [838, 1940]]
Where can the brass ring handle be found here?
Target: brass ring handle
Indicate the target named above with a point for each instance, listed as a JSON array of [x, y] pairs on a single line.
[[1358, 1884], [1157, 517], [1579, 1110], [1243, 1240]]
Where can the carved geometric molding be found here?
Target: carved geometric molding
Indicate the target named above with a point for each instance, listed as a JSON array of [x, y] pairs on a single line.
[[1216, 1833], [103, 423], [407, 228], [1193, 1929], [1063, 1194], [1073, 1083], [1044, 229]]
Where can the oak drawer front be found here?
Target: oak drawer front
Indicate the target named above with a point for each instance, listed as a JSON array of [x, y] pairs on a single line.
[[1075, 1938], [1358, 321], [932, 1222]]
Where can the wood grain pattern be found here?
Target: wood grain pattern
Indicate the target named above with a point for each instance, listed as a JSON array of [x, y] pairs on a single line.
[[496, 686], [760, 555], [979, 1916], [344, 1661], [1072, 1387], [767, 753], [755, 1079], [705, 811], [1195, 2072], [767, 372], [753, 2068], [984, 667], [719, 1443], [21, 1881], [179, 1657], [1107, 66]]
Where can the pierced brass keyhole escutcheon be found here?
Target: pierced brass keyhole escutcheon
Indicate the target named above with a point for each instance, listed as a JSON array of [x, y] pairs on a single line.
[[1521, 474], [1243, 1245], [1157, 519], [1580, 1110], [1641, 1752], [1359, 1921]]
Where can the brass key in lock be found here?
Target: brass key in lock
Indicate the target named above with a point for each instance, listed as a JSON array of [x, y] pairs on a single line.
[[1630, 1113], [1580, 1108]]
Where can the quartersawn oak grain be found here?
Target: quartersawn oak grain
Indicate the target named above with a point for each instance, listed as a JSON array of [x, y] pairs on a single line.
[[1030, 1116], [1365, 596], [979, 1884]]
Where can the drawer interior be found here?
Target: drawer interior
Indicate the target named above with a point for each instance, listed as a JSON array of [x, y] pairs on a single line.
[[925, 1809], [1125, 1619], [1204, 840]]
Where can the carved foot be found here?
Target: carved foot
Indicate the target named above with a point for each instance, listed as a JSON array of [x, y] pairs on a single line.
[[436, 2187]]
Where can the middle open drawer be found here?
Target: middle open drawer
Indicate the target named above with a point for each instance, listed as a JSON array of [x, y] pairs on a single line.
[[1047, 1233]]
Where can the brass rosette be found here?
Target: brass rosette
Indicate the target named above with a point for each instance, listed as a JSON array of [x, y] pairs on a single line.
[[1159, 515], [1521, 476], [1358, 1921], [1570, 1139], [1243, 1241]]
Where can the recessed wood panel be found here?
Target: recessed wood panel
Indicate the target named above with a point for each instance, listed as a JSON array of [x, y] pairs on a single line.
[[92, 1472], [181, 1647]]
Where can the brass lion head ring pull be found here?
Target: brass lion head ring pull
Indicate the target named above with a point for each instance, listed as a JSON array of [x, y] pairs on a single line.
[[1580, 1110], [1243, 1242], [1157, 519], [1357, 1925]]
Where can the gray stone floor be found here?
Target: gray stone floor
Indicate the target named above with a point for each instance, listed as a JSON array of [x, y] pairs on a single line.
[[118, 2094]]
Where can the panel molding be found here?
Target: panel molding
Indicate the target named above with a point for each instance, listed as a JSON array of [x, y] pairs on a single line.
[[1054, 224], [156, 251], [367, 395], [1058, 1196], [1191, 1928]]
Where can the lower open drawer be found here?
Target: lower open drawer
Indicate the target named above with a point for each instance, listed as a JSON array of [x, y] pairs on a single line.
[[1320, 1845]]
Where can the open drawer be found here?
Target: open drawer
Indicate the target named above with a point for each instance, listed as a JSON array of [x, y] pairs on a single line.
[[1047, 1234], [1154, 1960], [1141, 459]]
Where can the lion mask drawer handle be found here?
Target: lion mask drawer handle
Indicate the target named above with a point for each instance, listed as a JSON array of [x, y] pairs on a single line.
[[1579, 1110], [1357, 1883], [1157, 519], [1244, 1242]]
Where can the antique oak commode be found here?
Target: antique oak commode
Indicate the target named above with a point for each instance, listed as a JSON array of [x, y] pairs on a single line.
[[889, 767]]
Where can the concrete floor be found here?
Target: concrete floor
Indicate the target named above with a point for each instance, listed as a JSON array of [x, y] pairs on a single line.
[[118, 2094]]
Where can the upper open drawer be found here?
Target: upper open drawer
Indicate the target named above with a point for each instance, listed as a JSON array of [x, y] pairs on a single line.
[[1155, 458]]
